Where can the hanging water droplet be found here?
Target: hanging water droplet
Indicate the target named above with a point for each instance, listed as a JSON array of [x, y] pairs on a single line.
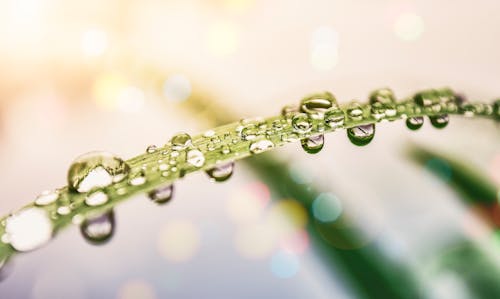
[[361, 135], [98, 229], [334, 118], [249, 132], [96, 170], [314, 144], [317, 105], [96, 199], [221, 172], [439, 121], [151, 149], [354, 111], [415, 123], [180, 141], [162, 194], [195, 158], [301, 123], [46, 198], [28, 229], [261, 146]]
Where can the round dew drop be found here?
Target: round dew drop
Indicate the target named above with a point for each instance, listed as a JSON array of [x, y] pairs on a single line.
[[221, 172], [98, 229], [46, 198], [317, 105], [301, 123], [361, 135], [195, 158], [334, 118], [96, 199], [180, 141], [261, 146], [96, 170], [439, 121], [28, 229], [314, 144], [415, 123], [162, 194]]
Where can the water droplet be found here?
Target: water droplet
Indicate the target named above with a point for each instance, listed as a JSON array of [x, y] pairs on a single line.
[[180, 141], [415, 123], [96, 199], [314, 144], [138, 178], [162, 194], [98, 229], [151, 149], [261, 146], [383, 103], [317, 105], [195, 158], [28, 229], [496, 109], [354, 111], [63, 210], [221, 172], [334, 118], [301, 123], [46, 198], [361, 135], [426, 98], [249, 132], [383, 96], [468, 109], [439, 121], [96, 170], [209, 133]]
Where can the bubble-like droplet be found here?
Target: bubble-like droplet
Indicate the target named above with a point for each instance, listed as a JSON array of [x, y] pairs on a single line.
[[249, 132], [28, 229], [196, 158], [162, 194], [354, 111], [46, 198], [289, 110], [317, 105], [383, 95], [180, 141], [96, 199], [98, 229], [301, 123], [151, 149], [221, 172], [314, 144], [261, 146], [96, 170], [138, 178], [439, 121], [361, 135], [415, 123], [334, 118]]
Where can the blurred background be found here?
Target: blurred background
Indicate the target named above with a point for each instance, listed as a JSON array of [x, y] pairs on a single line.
[[411, 215]]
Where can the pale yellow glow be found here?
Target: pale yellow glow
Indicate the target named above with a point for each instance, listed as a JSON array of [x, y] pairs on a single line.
[[222, 38], [179, 240], [409, 27]]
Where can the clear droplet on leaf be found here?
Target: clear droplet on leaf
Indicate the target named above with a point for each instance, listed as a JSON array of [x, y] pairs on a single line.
[[96, 170], [301, 123], [96, 199], [355, 111], [221, 172], [98, 229], [334, 118], [46, 198], [314, 144], [361, 135], [196, 158], [260, 146], [28, 229], [162, 194], [180, 141], [317, 105]]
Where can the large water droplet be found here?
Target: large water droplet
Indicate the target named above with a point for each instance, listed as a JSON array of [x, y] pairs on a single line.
[[28, 229], [383, 95], [98, 229], [361, 135], [439, 121], [96, 199], [195, 158], [317, 105], [301, 123], [180, 141], [261, 146], [415, 123], [46, 198], [221, 172], [314, 144], [162, 194], [96, 170]]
